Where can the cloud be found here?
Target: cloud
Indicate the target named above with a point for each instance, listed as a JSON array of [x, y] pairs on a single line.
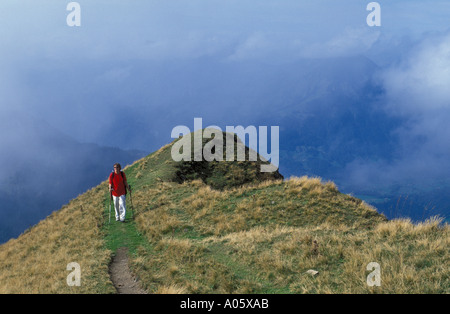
[[416, 91], [71, 77], [115, 74], [351, 41], [253, 46], [421, 83]]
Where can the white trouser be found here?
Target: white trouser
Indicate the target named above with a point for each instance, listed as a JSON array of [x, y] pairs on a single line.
[[119, 207]]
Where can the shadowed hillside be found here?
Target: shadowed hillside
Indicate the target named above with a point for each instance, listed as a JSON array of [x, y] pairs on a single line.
[[208, 229]]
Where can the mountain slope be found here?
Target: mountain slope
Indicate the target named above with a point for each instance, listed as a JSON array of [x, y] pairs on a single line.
[[36, 262], [44, 168], [259, 237]]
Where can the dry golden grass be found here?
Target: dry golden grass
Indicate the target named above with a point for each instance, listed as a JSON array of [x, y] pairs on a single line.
[[174, 289], [36, 262], [415, 260], [262, 238]]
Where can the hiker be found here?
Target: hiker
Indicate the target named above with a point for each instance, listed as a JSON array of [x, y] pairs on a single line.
[[118, 186]]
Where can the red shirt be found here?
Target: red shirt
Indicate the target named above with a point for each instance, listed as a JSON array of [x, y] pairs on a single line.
[[117, 183]]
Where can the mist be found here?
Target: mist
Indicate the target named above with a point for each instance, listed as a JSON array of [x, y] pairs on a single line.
[[364, 106], [416, 92], [140, 64]]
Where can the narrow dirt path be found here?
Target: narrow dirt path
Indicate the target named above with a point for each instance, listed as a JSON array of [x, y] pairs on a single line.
[[121, 276]]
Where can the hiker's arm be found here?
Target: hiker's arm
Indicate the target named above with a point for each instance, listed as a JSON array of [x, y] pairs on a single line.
[[110, 184]]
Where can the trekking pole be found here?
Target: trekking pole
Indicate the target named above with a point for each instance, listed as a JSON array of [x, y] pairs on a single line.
[[110, 198], [131, 200]]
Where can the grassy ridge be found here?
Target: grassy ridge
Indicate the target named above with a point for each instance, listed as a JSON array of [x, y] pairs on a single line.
[[263, 237], [260, 237]]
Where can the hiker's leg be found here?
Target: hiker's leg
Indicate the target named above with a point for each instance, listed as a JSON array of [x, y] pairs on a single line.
[[116, 203], [123, 209]]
